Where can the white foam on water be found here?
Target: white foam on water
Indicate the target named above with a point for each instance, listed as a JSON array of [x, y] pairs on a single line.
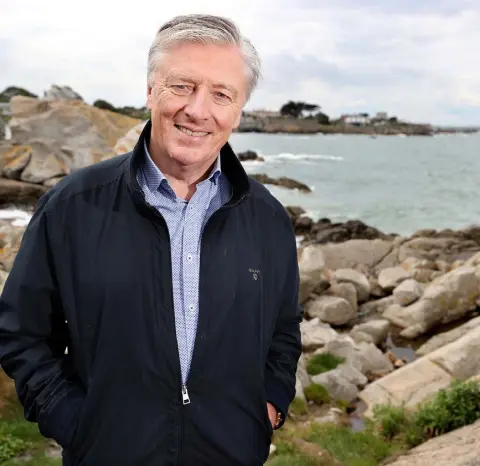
[[19, 218], [302, 157]]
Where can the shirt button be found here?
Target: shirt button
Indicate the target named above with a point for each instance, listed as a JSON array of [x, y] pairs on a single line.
[[189, 258], [191, 308]]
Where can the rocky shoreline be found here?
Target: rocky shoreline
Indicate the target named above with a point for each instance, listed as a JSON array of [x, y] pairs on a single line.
[[401, 313]]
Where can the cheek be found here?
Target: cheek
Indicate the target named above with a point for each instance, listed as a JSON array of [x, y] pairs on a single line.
[[226, 120]]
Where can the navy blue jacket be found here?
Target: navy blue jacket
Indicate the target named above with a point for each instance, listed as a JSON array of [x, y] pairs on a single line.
[[87, 323]]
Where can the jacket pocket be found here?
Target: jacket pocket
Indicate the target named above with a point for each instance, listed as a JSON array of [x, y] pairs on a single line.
[[60, 421]]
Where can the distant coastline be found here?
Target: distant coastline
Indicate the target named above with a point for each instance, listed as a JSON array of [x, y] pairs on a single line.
[[252, 123]]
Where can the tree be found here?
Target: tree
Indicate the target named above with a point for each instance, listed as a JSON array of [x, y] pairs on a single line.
[[310, 108], [292, 109], [296, 109], [322, 118], [103, 104]]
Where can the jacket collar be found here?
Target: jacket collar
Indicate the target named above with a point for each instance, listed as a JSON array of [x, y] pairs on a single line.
[[231, 167]]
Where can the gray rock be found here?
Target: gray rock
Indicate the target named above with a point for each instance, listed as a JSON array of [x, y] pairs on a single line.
[[391, 277], [337, 384], [373, 331], [61, 93], [346, 291], [377, 307], [359, 280], [330, 309], [407, 292], [316, 334]]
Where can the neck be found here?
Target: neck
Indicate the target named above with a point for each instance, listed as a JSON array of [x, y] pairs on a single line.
[[182, 179]]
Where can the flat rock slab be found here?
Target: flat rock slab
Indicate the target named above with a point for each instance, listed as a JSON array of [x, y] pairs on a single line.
[[458, 448], [419, 381]]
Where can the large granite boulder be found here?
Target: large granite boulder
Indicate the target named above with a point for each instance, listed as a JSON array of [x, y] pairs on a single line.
[[61, 93], [418, 381], [358, 254], [446, 299], [50, 139], [445, 338]]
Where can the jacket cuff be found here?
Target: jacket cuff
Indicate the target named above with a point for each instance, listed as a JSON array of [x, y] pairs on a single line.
[[60, 422], [278, 399]]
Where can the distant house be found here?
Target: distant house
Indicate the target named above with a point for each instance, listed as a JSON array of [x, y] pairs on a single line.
[[381, 116], [356, 119]]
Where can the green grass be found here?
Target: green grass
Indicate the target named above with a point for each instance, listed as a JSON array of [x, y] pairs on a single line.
[[317, 393], [37, 461], [295, 460], [351, 448], [325, 362], [20, 438]]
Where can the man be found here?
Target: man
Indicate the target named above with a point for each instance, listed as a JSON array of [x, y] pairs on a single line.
[[170, 277]]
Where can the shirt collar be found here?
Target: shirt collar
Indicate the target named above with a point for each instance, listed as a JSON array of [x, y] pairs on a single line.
[[154, 182]]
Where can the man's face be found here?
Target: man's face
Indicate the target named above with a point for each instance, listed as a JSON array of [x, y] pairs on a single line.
[[196, 101]]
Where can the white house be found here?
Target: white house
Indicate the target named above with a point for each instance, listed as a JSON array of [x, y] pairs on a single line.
[[357, 119]]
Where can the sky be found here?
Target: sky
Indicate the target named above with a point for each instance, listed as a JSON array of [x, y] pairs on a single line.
[[418, 60]]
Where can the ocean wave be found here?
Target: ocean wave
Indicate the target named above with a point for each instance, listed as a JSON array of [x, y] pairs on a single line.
[[289, 156]]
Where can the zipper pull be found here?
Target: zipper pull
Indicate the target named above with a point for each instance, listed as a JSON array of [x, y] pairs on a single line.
[[185, 397]]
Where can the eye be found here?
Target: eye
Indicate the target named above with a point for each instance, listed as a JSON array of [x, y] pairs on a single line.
[[180, 88], [220, 96]]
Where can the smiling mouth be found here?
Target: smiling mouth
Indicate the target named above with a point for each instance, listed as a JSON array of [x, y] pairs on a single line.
[[191, 133]]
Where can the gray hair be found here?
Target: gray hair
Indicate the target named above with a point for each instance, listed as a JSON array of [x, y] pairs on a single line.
[[203, 29]]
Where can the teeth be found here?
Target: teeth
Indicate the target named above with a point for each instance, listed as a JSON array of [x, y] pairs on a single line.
[[191, 133]]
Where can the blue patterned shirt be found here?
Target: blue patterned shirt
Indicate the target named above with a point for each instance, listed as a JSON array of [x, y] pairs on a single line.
[[185, 221]]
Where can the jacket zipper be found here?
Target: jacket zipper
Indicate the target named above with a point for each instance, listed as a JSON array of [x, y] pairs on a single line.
[[185, 397], [184, 389]]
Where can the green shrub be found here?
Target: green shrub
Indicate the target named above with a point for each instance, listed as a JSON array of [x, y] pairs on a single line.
[[298, 406], [390, 420], [10, 446], [455, 407], [317, 393], [325, 362]]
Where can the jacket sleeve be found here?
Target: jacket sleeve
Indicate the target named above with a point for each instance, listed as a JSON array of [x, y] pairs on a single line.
[[285, 348], [33, 337]]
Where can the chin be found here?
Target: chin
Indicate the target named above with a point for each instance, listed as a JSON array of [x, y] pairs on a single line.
[[188, 156]]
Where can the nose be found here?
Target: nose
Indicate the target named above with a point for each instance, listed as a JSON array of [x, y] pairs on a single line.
[[198, 105]]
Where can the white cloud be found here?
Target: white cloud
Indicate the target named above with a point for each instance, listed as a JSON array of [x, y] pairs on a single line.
[[418, 65]]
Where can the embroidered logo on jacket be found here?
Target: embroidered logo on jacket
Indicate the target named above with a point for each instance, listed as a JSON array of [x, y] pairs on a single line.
[[255, 273]]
